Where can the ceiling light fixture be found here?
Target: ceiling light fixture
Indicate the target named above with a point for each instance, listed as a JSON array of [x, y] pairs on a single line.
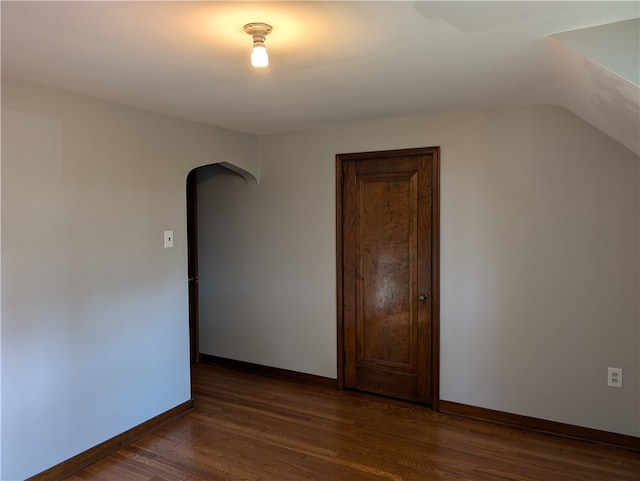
[[258, 31]]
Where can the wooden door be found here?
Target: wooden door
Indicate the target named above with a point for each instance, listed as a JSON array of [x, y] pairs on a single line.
[[388, 272]]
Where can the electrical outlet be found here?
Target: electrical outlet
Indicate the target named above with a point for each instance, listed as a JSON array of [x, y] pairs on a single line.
[[614, 378]]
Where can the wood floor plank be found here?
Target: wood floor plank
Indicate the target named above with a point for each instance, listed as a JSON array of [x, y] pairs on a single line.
[[251, 428]]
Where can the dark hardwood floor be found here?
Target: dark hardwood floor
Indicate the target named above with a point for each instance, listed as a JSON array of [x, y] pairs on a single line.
[[249, 427]]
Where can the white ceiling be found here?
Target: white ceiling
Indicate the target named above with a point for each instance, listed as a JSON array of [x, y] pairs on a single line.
[[331, 62]]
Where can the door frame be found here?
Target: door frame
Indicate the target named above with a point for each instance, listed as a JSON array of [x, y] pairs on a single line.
[[434, 152], [192, 266]]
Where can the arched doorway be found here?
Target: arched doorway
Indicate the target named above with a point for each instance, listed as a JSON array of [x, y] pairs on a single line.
[[194, 177]]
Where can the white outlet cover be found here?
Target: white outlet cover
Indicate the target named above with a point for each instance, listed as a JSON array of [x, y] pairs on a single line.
[[614, 377]]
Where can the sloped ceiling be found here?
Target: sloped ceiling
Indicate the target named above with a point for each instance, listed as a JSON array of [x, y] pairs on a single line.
[[615, 46], [596, 94], [596, 75], [331, 62]]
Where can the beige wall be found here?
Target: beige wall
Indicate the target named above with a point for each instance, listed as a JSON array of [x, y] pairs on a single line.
[[539, 260], [94, 309], [540, 263]]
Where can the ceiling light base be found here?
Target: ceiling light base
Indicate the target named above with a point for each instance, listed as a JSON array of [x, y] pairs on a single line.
[[258, 29]]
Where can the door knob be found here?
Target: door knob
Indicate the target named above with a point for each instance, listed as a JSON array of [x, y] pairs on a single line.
[[422, 297]]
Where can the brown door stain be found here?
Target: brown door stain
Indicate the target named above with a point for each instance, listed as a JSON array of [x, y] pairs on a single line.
[[388, 272]]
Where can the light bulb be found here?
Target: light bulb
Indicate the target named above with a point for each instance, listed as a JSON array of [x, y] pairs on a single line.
[[259, 57]]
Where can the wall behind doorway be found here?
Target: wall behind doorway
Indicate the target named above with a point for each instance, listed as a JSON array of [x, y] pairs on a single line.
[[247, 295], [540, 268]]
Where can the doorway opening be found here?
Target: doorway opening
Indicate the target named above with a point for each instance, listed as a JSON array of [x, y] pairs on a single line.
[[198, 177], [387, 214]]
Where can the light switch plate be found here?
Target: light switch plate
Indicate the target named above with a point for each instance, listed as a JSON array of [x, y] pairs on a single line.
[[168, 239]]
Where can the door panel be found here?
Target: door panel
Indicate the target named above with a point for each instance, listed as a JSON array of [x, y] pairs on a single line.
[[387, 250], [386, 271]]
